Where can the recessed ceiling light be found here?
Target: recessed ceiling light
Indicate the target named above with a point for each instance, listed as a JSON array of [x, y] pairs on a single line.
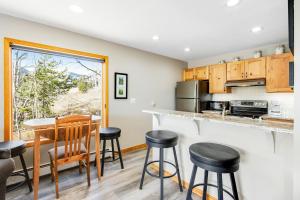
[[256, 29], [155, 37], [75, 8], [231, 3], [187, 49]]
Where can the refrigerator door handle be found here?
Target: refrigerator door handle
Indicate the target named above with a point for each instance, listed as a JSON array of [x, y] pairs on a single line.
[[196, 100]]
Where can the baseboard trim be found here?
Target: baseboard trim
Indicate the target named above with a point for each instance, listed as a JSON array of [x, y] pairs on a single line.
[[138, 147], [185, 184]]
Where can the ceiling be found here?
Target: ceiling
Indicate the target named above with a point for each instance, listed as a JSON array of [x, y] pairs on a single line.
[[207, 27]]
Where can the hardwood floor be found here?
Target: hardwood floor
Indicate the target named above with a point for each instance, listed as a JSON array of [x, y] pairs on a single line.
[[116, 184]]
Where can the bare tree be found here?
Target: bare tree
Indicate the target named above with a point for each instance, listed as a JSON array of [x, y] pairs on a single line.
[[19, 57]]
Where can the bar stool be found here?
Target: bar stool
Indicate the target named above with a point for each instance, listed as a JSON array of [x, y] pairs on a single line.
[[215, 158], [110, 133], [17, 148], [161, 139]]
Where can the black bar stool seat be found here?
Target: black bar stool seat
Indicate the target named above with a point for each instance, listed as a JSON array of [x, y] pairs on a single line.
[[161, 139], [16, 149], [110, 133], [214, 158]]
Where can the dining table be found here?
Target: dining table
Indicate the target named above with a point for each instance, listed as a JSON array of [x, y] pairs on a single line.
[[45, 127]]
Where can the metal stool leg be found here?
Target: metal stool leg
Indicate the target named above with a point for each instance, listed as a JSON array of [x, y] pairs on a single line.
[[205, 185], [145, 166], [112, 149], [161, 172], [233, 185], [103, 157], [220, 186], [26, 172], [192, 181], [177, 170], [120, 153]]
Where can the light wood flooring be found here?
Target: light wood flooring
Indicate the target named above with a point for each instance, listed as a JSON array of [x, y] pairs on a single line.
[[116, 184]]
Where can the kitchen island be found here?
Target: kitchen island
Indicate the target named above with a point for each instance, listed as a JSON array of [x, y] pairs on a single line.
[[265, 148]]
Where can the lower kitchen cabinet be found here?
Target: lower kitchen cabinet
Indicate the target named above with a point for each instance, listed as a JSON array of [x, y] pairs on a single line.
[[277, 78]]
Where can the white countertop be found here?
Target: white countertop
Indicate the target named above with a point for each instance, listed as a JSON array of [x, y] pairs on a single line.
[[275, 126]]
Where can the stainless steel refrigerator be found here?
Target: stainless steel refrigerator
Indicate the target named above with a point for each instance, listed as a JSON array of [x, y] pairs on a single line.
[[192, 96]]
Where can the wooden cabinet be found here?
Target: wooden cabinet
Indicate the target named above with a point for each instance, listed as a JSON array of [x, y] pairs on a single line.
[[201, 73], [247, 69], [189, 74], [235, 70], [217, 79], [274, 68], [255, 68], [277, 78]]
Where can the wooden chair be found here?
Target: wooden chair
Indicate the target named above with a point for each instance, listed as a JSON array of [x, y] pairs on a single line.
[[72, 130]]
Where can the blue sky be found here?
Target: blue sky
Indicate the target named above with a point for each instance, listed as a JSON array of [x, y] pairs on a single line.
[[66, 62]]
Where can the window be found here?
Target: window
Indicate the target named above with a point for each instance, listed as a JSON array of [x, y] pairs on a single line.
[[43, 81]]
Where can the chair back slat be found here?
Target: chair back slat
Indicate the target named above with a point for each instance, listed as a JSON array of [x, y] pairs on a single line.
[[80, 137], [66, 140], [76, 140], [74, 128]]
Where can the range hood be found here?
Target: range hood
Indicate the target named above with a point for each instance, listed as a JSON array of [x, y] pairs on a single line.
[[246, 83]]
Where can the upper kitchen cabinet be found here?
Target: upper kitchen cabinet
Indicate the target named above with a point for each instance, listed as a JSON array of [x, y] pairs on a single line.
[[235, 70], [255, 68], [188, 74], [278, 73], [217, 79], [201, 73], [247, 69]]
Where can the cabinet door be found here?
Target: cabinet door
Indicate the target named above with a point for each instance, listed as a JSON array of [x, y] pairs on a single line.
[[217, 79], [188, 74], [255, 68], [235, 71], [201, 73], [277, 79]]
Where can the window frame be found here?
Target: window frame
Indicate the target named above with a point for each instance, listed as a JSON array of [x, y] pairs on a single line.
[[8, 99]]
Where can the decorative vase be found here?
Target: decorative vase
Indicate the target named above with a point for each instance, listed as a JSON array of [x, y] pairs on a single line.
[[280, 49], [257, 54]]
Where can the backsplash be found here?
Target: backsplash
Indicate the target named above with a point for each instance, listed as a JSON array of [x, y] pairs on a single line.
[[286, 100]]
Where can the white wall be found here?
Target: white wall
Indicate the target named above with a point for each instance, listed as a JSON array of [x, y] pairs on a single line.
[[297, 106], [243, 54], [286, 100], [151, 77]]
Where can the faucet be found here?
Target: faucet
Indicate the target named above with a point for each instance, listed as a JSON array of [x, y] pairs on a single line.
[[223, 109]]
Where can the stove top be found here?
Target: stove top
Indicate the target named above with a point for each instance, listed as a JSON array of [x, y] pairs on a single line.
[[248, 108]]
